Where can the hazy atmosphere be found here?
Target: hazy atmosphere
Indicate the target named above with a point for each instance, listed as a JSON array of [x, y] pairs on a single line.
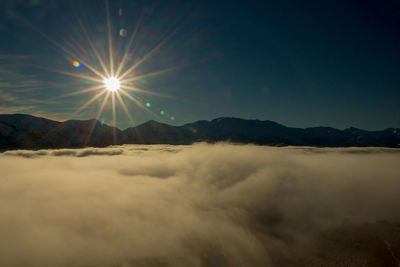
[[200, 205]]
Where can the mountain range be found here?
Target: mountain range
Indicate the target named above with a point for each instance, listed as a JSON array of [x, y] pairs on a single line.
[[20, 131]]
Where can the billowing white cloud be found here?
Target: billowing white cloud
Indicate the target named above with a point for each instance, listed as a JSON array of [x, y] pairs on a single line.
[[200, 205]]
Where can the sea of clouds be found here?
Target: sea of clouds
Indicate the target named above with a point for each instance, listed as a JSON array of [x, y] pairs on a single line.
[[200, 205]]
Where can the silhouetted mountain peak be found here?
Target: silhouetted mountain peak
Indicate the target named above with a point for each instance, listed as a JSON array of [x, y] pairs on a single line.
[[355, 130], [152, 124], [30, 132]]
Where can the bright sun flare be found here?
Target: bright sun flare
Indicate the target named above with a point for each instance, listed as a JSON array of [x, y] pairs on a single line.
[[115, 79], [112, 84]]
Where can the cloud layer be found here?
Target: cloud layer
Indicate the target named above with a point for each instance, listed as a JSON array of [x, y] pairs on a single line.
[[201, 205]]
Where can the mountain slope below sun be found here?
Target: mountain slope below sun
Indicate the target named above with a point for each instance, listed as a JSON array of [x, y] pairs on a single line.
[[19, 131]]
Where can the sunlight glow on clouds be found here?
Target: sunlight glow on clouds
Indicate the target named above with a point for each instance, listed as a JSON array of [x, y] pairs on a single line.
[[200, 205]]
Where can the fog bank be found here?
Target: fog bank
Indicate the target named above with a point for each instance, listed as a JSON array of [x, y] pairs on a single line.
[[200, 205]]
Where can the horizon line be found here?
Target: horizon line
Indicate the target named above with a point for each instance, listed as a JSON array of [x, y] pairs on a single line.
[[227, 117]]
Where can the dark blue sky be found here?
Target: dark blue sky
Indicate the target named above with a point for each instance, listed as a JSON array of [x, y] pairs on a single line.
[[300, 63]]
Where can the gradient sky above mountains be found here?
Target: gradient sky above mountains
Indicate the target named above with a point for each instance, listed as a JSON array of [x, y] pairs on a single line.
[[300, 63]]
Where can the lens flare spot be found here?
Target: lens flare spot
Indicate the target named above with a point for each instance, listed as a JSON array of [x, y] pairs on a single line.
[[162, 112], [148, 104], [172, 118], [122, 32], [112, 84], [76, 64]]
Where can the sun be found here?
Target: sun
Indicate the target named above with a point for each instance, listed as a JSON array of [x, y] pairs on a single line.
[[113, 78], [112, 83]]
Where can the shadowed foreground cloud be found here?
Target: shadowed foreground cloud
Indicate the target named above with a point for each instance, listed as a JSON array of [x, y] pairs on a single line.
[[201, 205]]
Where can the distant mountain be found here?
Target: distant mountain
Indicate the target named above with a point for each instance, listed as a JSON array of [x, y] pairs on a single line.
[[18, 131]]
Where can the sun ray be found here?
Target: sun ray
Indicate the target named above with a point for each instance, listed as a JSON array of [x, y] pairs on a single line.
[[114, 121], [110, 49], [63, 48], [138, 103], [125, 56], [97, 117], [66, 50], [153, 74], [72, 43], [102, 64], [130, 97], [125, 108], [94, 98], [103, 105], [77, 75], [138, 90], [86, 90], [149, 54]]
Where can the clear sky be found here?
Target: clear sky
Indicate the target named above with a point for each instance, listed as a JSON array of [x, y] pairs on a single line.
[[300, 63]]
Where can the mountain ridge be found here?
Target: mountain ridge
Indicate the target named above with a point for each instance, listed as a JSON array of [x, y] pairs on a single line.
[[21, 131]]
